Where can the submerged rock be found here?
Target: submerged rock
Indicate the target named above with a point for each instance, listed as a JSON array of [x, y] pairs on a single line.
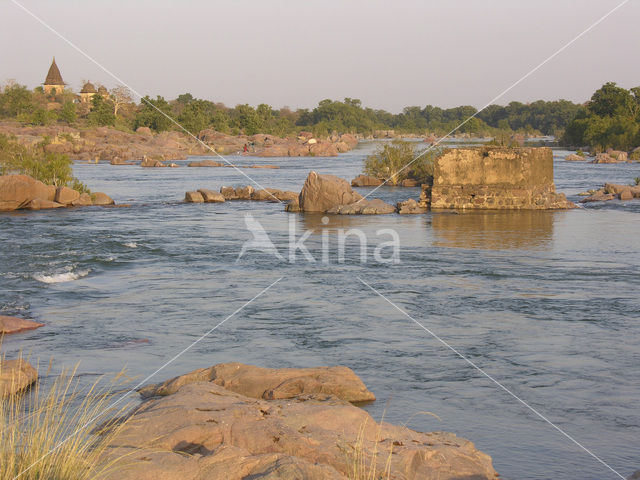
[[15, 325], [15, 376], [364, 207], [276, 428], [410, 207]]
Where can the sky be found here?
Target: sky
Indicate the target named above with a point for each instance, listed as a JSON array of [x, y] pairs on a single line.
[[296, 53]]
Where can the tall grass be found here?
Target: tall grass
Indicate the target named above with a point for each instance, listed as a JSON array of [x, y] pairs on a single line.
[[50, 433], [362, 458]]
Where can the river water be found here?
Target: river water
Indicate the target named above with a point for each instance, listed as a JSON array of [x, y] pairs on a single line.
[[547, 303]]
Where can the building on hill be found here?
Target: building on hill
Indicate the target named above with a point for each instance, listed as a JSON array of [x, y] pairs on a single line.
[[87, 93], [53, 84]]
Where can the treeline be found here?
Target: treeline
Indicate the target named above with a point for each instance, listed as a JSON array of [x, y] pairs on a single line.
[[33, 107], [611, 119]]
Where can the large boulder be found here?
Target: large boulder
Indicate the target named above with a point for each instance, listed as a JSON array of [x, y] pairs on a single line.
[[271, 383], [15, 376], [244, 193], [17, 191], [229, 193], [323, 149], [15, 325], [84, 200], [149, 162], [575, 158], [207, 430], [323, 192]]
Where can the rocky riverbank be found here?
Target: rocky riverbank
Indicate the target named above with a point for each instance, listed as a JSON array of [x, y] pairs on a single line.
[[125, 148], [234, 421], [22, 192]]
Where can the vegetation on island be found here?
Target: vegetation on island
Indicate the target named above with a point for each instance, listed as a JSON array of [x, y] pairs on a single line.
[[48, 167], [399, 160]]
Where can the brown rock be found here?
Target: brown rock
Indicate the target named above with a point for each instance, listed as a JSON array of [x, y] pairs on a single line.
[[281, 150], [84, 200], [626, 194], [574, 158], [39, 204], [148, 162], [323, 149], [364, 207], [365, 181], [408, 182], [410, 207], [599, 196], [15, 325], [210, 196], [229, 193], [100, 198], [293, 205], [323, 192], [18, 190], [15, 376], [144, 131], [205, 163], [268, 194], [271, 383], [272, 167], [66, 195], [205, 430], [193, 197], [244, 193]]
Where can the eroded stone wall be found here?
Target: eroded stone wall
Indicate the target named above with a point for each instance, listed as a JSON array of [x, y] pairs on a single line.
[[496, 178]]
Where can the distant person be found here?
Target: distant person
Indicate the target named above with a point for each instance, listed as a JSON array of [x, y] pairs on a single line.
[[246, 148]]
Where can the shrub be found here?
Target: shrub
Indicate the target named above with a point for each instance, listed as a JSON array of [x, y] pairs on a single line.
[[398, 161], [50, 168]]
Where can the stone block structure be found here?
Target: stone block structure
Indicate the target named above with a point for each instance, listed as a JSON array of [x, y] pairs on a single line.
[[495, 178]]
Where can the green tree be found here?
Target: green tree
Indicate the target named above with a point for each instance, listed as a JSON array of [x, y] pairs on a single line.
[[68, 112], [101, 113], [398, 161], [153, 114]]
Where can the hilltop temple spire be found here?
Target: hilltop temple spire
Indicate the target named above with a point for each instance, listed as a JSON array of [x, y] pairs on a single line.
[[53, 84]]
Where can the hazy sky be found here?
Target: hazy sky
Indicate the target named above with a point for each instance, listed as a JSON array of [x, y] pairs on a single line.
[[295, 53]]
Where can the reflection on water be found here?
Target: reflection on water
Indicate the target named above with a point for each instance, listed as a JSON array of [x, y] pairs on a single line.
[[493, 230]]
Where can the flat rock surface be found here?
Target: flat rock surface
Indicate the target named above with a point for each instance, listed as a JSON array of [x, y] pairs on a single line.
[[206, 431], [269, 383]]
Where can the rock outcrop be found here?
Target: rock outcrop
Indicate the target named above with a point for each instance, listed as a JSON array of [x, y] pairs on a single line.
[[410, 207], [24, 192], [364, 207], [15, 376], [320, 193], [612, 191], [496, 178], [271, 383], [15, 325], [574, 158], [611, 156], [289, 430]]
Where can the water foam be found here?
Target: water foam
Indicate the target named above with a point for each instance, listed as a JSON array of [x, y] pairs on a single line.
[[61, 277]]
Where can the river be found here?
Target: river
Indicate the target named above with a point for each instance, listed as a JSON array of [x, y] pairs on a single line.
[[547, 303]]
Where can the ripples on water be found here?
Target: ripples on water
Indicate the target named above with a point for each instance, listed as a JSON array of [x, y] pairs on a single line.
[[546, 302]]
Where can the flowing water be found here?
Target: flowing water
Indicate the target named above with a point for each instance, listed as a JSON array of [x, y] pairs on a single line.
[[547, 303]]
